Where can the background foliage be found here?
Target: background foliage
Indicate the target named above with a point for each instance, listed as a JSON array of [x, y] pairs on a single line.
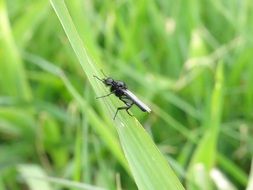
[[191, 61]]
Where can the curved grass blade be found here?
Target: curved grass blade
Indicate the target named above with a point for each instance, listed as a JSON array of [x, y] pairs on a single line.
[[148, 166]]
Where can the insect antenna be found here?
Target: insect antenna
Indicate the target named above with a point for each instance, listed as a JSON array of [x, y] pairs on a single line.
[[103, 73], [98, 78]]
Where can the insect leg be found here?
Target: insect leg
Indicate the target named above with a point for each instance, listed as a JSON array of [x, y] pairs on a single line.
[[123, 108], [105, 95], [129, 106], [128, 111]]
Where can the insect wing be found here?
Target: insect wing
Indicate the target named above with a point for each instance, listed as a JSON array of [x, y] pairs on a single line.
[[136, 100]]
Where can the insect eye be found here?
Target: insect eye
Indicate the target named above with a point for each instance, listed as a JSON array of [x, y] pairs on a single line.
[[121, 84], [108, 81]]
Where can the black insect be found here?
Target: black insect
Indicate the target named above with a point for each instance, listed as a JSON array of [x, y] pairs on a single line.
[[119, 88]]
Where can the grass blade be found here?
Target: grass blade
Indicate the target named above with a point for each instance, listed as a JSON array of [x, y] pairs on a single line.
[[33, 170], [149, 168], [202, 160], [12, 73]]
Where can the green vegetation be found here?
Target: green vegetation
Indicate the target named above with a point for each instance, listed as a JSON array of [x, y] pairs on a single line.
[[191, 61]]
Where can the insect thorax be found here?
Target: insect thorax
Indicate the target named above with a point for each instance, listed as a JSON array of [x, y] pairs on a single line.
[[117, 90]]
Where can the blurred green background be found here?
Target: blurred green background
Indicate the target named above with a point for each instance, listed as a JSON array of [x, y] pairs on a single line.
[[191, 61]]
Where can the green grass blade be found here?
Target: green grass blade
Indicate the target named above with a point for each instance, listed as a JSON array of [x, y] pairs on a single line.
[[202, 160], [29, 171], [149, 168], [250, 182], [26, 25], [36, 178], [228, 166], [12, 73]]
